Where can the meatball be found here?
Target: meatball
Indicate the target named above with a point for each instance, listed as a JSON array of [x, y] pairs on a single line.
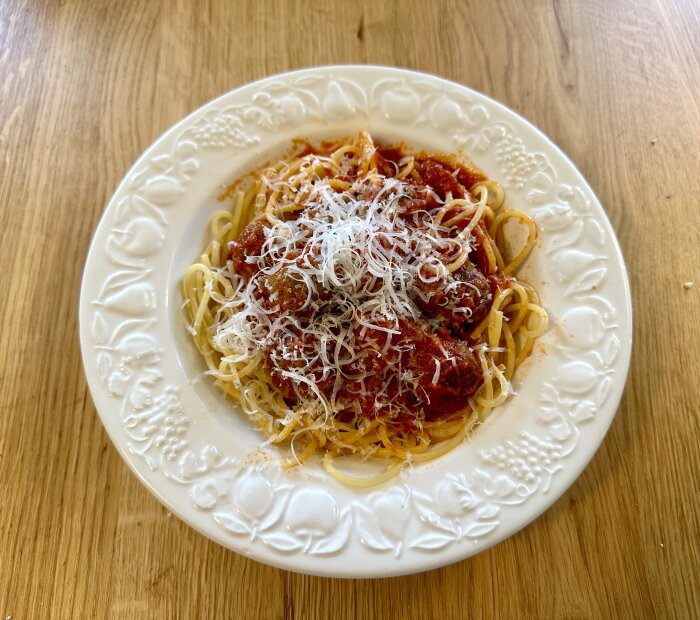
[[461, 300], [249, 243]]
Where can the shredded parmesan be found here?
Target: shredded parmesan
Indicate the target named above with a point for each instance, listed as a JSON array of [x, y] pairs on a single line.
[[436, 374], [359, 262]]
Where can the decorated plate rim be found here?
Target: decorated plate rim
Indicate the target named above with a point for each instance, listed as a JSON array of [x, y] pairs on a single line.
[[485, 490]]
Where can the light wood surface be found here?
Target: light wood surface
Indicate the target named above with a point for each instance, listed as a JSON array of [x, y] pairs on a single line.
[[87, 85]]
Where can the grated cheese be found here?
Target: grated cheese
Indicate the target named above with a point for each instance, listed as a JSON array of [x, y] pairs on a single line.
[[360, 260]]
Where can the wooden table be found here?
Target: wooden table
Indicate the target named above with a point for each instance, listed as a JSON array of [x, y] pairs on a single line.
[[88, 84]]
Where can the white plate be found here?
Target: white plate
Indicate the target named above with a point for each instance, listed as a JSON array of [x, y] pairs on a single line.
[[204, 460]]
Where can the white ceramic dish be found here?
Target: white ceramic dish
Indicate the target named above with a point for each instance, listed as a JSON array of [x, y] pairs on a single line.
[[205, 461]]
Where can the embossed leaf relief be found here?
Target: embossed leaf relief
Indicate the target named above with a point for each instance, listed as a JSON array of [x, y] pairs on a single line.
[[383, 520], [465, 507], [260, 504]]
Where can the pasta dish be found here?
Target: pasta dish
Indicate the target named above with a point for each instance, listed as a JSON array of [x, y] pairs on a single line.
[[361, 300]]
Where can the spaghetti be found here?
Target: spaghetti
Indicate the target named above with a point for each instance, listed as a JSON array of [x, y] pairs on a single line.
[[360, 300]]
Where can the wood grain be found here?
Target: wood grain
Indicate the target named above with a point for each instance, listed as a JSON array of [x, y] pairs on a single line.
[[87, 85]]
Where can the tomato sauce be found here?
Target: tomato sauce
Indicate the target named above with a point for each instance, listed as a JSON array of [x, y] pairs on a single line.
[[439, 391], [438, 362]]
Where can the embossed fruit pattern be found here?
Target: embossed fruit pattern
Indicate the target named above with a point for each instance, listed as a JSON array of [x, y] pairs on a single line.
[[259, 504]]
